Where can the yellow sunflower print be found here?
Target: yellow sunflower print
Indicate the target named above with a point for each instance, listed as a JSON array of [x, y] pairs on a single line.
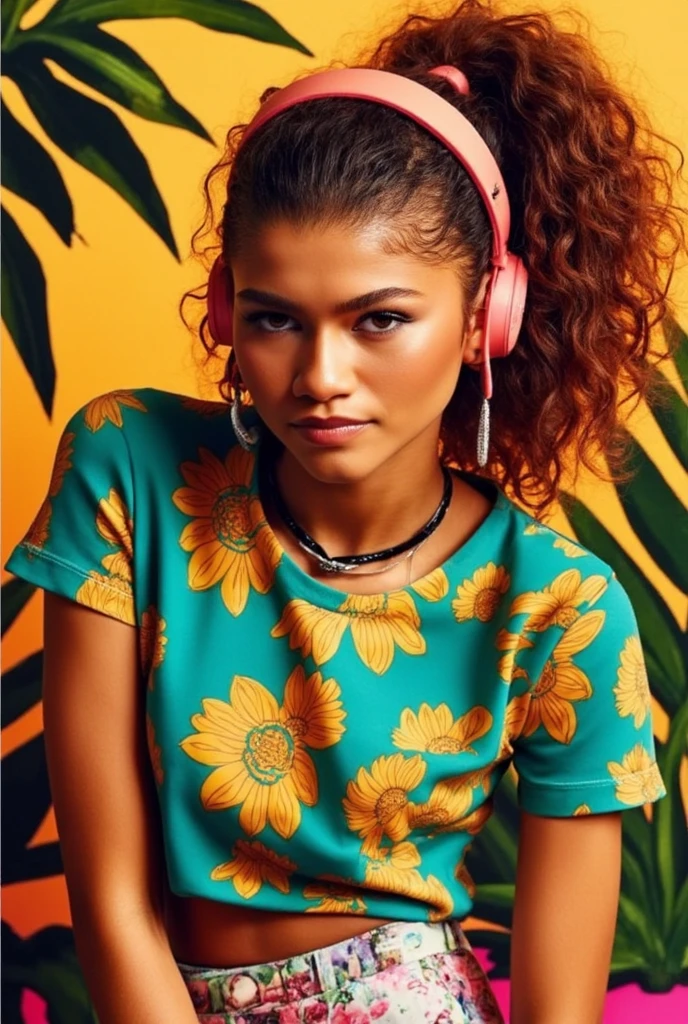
[[39, 531], [40, 528], [479, 596], [432, 587], [252, 865], [444, 810], [632, 690], [570, 549], [463, 876], [107, 408], [111, 592], [514, 721], [114, 524], [154, 752], [62, 464], [378, 623], [229, 538], [557, 604], [111, 595], [474, 822], [152, 642], [258, 749], [561, 683], [581, 811], [376, 803], [434, 729], [393, 869], [637, 778], [335, 896], [512, 643]]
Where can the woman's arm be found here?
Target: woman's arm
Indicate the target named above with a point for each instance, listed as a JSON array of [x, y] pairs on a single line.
[[567, 892], [106, 811]]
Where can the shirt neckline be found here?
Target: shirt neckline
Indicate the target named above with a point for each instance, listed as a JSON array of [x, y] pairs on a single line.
[[322, 595]]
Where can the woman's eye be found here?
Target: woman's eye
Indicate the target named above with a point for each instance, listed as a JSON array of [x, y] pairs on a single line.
[[271, 323], [382, 322]]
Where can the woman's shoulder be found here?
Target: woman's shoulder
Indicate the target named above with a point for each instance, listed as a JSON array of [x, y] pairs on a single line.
[[145, 420], [119, 405], [541, 554]]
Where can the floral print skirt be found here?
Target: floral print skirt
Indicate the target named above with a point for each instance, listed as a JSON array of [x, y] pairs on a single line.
[[400, 973]]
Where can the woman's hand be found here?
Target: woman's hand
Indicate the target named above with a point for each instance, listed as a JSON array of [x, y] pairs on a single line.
[[567, 893]]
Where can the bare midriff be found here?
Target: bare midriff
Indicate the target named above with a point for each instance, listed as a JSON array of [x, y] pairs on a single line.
[[214, 934]]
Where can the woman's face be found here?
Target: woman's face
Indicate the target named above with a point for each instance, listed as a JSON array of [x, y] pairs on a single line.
[[349, 353]]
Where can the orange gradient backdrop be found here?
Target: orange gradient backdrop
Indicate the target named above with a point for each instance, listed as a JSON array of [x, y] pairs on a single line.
[[113, 297]]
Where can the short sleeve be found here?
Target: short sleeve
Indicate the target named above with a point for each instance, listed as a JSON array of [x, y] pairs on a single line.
[[80, 545], [587, 746]]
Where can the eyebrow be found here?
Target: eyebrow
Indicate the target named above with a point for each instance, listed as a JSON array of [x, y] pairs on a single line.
[[350, 306]]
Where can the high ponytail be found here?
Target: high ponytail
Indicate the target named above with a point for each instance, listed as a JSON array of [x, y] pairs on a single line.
[[594, 218]]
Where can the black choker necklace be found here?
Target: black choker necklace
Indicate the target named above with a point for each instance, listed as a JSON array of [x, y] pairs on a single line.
[[345, 563]]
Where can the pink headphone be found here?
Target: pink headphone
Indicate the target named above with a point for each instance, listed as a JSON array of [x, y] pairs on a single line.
[[506, 294]]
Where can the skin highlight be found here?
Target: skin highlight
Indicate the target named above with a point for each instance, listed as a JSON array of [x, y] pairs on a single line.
[[336, 343]]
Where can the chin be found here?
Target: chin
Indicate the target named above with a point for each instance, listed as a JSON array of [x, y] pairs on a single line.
[[336, 465]]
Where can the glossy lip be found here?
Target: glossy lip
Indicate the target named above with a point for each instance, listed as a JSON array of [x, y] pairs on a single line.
[[330, 423], [331, 432]]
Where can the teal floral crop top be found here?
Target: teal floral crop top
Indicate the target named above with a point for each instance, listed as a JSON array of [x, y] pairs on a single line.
[[322, 752]]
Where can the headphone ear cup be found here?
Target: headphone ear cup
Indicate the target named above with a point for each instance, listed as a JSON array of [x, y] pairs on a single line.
[[505, 306], [220, 303]]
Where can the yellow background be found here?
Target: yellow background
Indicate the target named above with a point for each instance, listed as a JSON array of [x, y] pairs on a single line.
[[113, 298]]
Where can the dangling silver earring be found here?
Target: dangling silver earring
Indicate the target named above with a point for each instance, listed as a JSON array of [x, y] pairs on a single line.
[[484, 433], [247, 438]]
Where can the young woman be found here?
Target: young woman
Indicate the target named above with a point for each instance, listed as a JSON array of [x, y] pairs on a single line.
[[290, 656]]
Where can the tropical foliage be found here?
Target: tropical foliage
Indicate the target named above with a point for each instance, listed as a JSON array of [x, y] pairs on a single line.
[[91, 133], [652, 934], [651, 944]]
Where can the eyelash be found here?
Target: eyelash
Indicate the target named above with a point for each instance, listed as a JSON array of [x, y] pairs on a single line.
[[395, 315]]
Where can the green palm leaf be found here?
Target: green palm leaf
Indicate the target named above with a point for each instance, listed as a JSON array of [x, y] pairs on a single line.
[[639, 845], [24, 309], [492, 857], [655, 513], [30, 172], [671, 413], [25, 800], [16, 594], [46, 962], [114, 69], [677, 945], [95, 137], [677, 340], [494, 902], [234, 16], [671, 838], [12, 13], [21, 688], [663, 641]]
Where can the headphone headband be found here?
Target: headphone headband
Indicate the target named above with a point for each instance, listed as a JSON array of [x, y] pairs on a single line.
[[506, 294], [422, 105]]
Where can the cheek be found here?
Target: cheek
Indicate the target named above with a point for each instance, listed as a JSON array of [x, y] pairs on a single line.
[[264, 370], [424, 373]]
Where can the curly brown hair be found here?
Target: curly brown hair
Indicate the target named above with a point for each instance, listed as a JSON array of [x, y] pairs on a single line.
[[594, 217]]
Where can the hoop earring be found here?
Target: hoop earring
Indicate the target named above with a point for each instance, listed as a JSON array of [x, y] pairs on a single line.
[[484, 433], [247, 438]]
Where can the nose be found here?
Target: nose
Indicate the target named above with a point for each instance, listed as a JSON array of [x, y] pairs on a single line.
[[325, 370]]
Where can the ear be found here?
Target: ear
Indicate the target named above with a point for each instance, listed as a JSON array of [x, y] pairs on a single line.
[[474, 335]]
